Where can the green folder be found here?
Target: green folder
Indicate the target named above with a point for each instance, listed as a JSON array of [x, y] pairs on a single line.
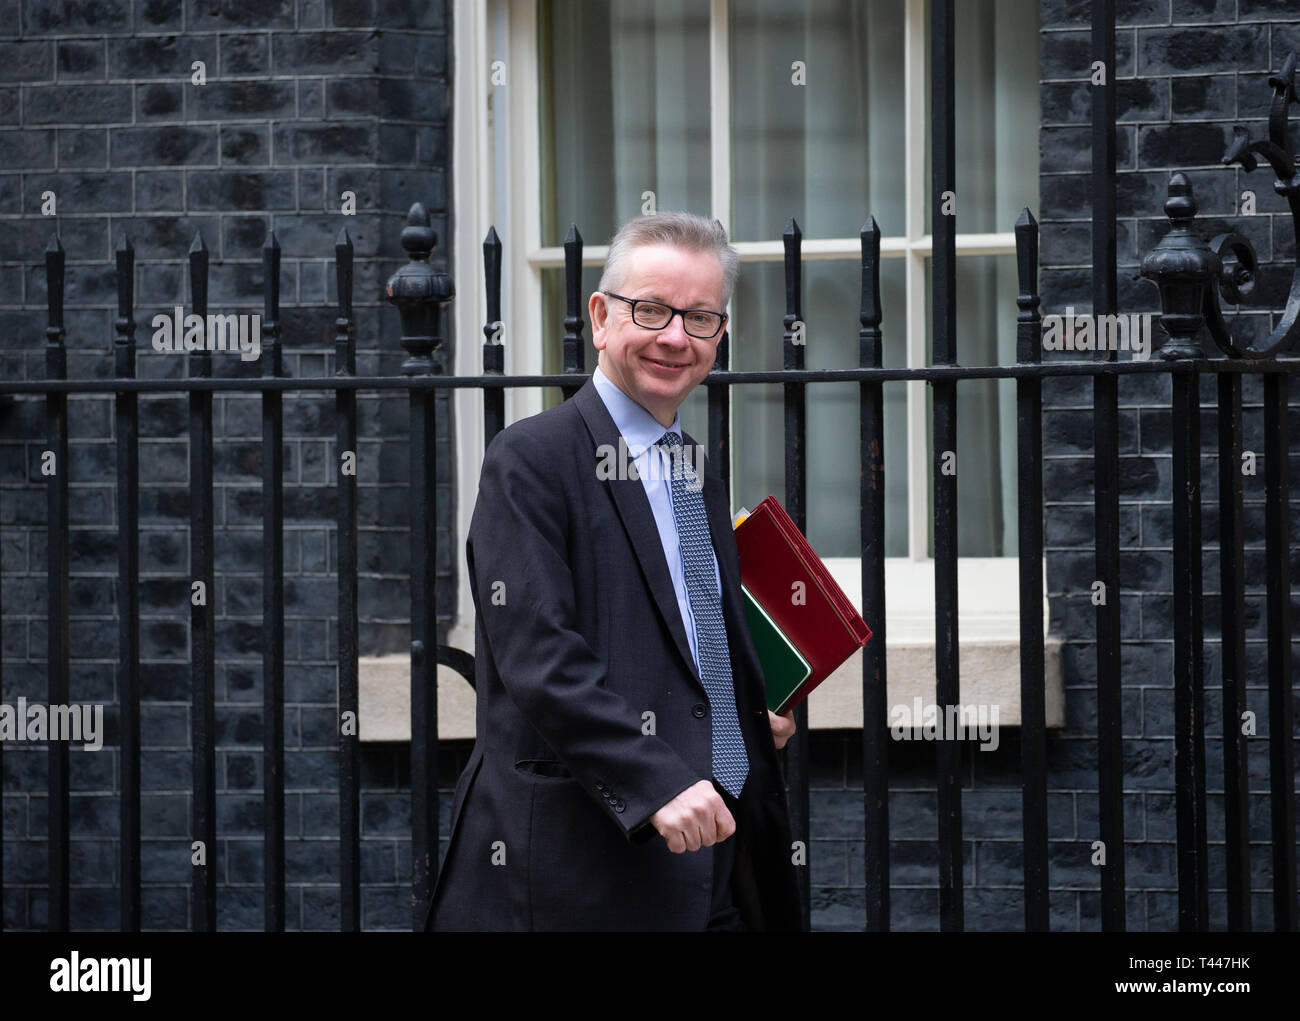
[[784, 668]]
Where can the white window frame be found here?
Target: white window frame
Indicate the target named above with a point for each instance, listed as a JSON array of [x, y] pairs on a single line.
[[495, 182], [529, 259]]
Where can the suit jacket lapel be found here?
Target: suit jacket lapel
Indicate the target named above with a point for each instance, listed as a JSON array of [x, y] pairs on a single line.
[[638, 521]]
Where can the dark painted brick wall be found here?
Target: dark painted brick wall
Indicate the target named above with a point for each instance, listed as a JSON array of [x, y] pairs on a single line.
[[304, 99]]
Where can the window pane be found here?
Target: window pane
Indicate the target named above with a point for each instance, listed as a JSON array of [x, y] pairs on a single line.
[[986, 408], [832, 292], [996, 82], [829, 151], [624, 92]]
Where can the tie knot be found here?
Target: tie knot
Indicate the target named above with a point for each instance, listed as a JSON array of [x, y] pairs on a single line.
[[679, 457]]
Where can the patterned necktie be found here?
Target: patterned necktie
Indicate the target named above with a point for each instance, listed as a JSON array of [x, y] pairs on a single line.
[[730, 763]]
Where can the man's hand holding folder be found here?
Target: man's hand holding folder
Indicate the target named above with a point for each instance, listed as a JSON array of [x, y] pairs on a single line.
[[782, 727]]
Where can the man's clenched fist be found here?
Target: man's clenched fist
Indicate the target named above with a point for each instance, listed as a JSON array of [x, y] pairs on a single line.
[[697, 817]]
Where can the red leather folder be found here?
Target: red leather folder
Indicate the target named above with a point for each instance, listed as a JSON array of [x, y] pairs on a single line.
[[782, 574]]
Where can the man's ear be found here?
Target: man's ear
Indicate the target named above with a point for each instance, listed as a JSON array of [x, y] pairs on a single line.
[[598, 310]]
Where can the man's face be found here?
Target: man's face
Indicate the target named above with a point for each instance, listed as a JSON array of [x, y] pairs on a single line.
[[658, 368]]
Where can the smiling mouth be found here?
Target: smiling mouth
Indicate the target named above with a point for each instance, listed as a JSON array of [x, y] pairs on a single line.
[[667, 365]]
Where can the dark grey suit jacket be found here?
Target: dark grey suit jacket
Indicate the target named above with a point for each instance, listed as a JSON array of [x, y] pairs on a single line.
[[578, 636]]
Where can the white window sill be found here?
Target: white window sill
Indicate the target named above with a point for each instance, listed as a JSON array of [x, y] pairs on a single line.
[[988, 629]]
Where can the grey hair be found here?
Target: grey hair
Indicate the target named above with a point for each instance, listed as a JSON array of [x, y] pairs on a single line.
[[679, 229]]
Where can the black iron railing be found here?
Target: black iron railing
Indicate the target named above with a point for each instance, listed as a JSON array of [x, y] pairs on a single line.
[[1105, 425], [1191, 276]]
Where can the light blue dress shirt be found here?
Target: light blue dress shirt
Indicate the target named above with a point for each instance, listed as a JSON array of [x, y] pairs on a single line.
[[641, 431]]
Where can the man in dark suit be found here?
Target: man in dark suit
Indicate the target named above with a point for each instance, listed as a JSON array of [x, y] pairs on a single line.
[[625, 773]]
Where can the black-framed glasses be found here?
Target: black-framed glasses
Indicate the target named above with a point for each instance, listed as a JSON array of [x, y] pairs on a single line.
[[655, 315]]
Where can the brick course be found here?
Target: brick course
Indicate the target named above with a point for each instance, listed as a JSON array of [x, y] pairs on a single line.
[[303, 100]]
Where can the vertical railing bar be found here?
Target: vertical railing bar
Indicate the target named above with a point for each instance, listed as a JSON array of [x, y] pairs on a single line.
[[1110, 750], [494, 352], [719, 397], [1232, 582], [796, 750], [574, 358], [419, 292], [56, 417], [1189, 711], [203, 888], [948, 753], [424, 648], [349, 710], [871, 475], [127, 429], [1281, 755], [2, 750], [1033, 706], [272, 593]]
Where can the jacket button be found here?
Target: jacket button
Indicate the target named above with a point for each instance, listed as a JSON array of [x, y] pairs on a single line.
[[698, 710], [619, 805]]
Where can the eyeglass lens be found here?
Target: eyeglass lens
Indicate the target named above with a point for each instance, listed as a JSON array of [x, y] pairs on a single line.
[[698, 322]]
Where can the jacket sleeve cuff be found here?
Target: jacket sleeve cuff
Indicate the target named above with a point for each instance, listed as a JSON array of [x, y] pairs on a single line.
[[639, 829]]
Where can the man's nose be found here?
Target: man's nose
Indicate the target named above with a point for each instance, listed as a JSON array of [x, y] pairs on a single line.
[[675, 332]]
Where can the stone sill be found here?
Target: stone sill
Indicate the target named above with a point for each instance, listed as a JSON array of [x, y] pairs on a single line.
[[989, 676]]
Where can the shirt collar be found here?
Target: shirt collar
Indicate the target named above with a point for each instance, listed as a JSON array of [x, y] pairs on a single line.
[[638, 426]]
